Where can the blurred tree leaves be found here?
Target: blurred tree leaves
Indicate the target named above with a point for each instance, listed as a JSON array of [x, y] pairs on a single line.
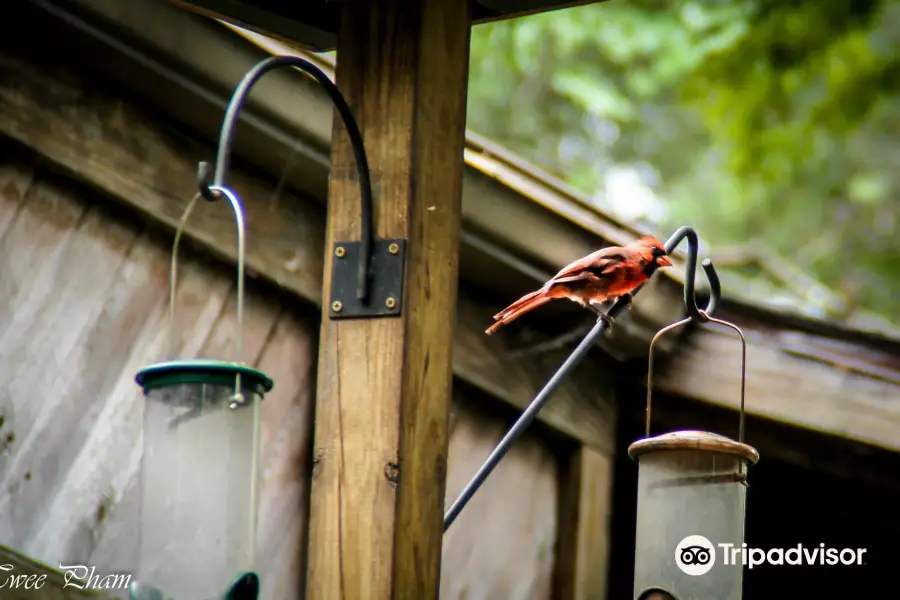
[[767, 121]]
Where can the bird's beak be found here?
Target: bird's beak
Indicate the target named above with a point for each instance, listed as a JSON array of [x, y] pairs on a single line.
[[663, 261]]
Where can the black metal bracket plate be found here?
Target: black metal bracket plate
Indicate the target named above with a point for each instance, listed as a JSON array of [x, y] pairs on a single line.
[[386, 293]]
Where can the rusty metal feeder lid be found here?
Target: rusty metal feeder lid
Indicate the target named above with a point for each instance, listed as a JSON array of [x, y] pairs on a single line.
[[693, 440]]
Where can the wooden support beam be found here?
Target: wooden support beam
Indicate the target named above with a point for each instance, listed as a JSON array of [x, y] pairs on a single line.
[[79, 124], [583, 544], [384, 385]]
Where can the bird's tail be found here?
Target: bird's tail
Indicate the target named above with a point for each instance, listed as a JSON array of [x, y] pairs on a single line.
[[518, 308]]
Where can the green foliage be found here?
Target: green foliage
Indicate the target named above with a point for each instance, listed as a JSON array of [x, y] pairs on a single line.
[[770, 121]]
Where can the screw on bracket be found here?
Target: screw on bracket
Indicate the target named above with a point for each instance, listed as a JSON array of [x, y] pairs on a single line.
[[386, 297]]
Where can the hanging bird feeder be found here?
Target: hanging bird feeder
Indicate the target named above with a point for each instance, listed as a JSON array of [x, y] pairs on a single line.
[[691, 498], [201, 417], [199, 483]]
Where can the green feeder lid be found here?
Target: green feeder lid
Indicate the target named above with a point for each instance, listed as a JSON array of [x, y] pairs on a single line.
[[210, 372]]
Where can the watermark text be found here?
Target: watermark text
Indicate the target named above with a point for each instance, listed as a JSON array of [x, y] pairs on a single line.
[[795, 556], [77, 576], [22, 581], [86, 578], [696, 555]]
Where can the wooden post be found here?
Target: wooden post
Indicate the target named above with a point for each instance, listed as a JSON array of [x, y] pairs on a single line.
[[384, 384], [585, 504]]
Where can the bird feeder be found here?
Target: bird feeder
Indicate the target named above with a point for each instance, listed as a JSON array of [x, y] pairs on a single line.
[[199, 480], [691, 505]]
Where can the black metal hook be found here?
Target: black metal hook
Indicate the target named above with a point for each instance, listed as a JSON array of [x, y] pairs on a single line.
[[603, 324], [207, 180], [690, 273]]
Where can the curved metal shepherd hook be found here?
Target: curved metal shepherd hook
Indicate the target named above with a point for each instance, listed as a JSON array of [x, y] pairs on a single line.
[[209, 182], [589, 341], [690, 273]]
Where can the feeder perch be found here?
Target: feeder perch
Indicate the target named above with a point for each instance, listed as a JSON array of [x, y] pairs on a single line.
[[692, 488], [199, 479]]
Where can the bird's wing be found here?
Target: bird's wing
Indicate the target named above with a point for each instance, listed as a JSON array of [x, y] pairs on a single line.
[[603, 262], [584, 275]]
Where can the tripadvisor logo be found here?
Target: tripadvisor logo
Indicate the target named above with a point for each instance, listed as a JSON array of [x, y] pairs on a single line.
[[696, 555]]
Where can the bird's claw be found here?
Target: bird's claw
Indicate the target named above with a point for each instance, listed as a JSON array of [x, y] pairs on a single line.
[[629, 300]]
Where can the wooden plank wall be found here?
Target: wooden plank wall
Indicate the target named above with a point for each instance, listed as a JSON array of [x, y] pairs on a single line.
[[83, 298]]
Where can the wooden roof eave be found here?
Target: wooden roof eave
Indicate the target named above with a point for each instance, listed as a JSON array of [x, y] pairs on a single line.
[[562, 205], [855, 402], [45, 106], [781, 357], [288, 118], [314, 24]]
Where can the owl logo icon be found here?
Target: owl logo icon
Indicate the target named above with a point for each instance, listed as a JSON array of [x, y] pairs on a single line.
[[695, 555]]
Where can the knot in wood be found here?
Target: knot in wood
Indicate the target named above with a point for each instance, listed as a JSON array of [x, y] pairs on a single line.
[[392, 473]]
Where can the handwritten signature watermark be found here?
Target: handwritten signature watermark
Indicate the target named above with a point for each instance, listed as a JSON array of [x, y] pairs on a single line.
[[78, 576], [23, 581]]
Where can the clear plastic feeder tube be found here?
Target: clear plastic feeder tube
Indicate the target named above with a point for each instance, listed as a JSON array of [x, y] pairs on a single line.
[[198, 513]]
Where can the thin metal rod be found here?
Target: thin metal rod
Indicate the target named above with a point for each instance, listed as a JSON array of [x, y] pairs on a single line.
[[229, 125], [239, 224], [173, 273], [535, 406], [743, 371], [528, 416], [173, 277], [676, 325], [656, 337]]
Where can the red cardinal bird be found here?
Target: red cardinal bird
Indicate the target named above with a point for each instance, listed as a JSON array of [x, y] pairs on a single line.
[[603, 275]]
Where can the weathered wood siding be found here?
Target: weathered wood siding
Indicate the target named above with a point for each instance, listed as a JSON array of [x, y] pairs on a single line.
[[83, 300]]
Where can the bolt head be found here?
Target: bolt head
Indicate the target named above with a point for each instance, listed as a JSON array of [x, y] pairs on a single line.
[[390, 302], [337, 306], [394, 248], [340, 252]]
